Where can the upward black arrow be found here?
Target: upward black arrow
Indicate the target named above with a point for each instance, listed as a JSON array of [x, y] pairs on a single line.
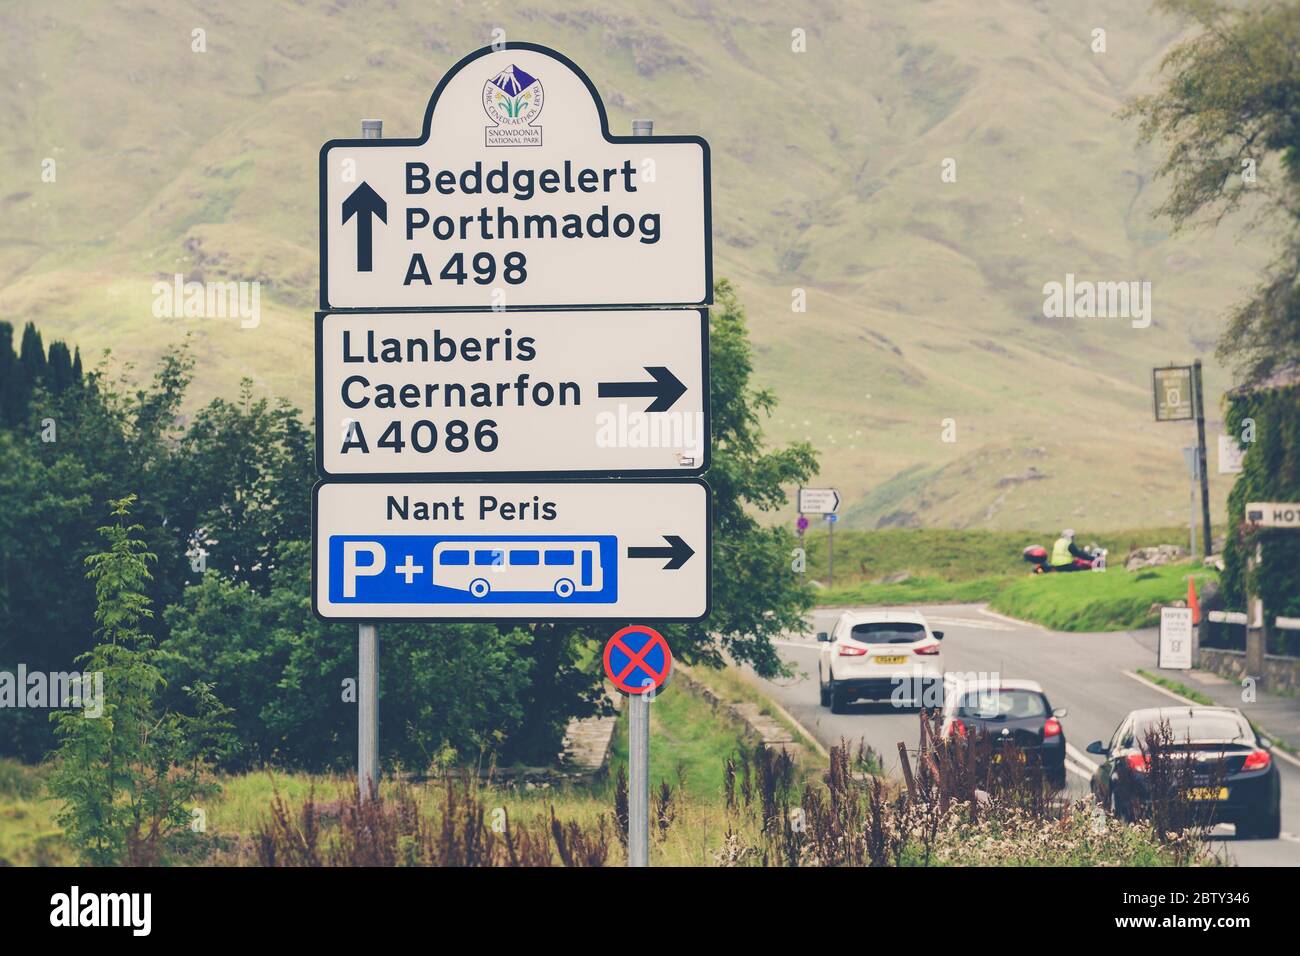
[[665, 389], [364, 203], [678, 552]]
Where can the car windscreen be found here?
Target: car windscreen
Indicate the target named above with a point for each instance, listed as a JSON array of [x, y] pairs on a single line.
[[994, 704], [1198, 726], [888, 632]]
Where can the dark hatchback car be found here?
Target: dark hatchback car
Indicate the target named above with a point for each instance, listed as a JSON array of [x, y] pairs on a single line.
[[1015, 712], [1233, 777]]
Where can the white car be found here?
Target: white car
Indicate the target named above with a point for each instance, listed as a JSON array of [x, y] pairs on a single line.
[[888, 655]]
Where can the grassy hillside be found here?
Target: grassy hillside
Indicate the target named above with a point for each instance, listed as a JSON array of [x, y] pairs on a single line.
[[924, 297]]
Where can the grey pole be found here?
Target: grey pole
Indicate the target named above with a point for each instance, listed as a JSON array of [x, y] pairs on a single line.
[[830, 550], [638, 785], [1207, 542], [638, 725], [368, 649], [1256, 627]]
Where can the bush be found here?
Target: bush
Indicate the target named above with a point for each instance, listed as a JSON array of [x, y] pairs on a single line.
[[290, 678]]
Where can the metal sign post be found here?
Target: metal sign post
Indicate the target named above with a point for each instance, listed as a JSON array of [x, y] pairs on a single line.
[[825, 502], [830, 549], [1177, 395], [638, 661], [367, 646], [1207, 543], [1190, 456]]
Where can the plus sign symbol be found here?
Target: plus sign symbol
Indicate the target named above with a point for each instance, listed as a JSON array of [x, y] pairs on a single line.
[[637, 660], [409, 569]]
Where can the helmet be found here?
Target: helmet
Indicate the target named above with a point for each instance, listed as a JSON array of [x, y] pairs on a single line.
[[1068, 533]]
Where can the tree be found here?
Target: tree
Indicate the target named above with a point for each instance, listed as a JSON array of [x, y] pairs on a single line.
[[242, 484], [290, 678], [10, 402], [1230, 113], [756, 593], [127, 776]]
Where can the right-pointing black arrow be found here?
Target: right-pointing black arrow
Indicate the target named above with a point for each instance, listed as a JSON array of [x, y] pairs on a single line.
[[363, 203], [678, 552], [665, 389]]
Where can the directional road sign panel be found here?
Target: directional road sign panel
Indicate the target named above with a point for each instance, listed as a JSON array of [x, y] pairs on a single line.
[[637, 660], [818, 501], [497, 550], [442, 394], [1274, 514], [515, 194]]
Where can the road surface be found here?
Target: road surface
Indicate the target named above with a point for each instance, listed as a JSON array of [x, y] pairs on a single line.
[[1084, 673]]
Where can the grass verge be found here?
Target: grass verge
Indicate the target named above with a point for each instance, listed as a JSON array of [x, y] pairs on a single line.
[[920, 590], [1112, 601]]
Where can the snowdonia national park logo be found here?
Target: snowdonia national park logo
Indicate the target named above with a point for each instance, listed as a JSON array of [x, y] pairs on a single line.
[[512, 100]]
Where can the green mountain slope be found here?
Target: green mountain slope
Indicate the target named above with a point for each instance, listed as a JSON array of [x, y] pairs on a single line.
[[924, 298]]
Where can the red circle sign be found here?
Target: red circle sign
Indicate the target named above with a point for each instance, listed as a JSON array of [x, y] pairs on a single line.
[[637, 659]]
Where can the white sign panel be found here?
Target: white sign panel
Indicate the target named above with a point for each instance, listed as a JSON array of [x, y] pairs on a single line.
[[608, 550], [514, 195], [818, 501], [439, 394], [1231, 455], [1273, 514], [1175, 638]]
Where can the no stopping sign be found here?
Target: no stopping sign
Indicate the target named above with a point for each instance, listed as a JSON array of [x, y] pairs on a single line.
[[637, 659]]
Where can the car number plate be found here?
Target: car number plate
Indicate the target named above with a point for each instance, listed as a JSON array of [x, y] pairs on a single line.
[[1207, 793], [1018, 757], [891, 659]]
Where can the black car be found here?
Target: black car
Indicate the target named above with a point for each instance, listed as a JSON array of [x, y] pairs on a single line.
[[1219, 763], [1015, 712]]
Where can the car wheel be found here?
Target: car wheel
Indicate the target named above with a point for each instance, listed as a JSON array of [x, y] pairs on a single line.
[[839, 700], [1056, 777], [823, 692]]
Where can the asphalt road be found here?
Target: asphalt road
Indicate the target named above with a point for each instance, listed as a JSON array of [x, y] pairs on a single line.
[[1084, 673]]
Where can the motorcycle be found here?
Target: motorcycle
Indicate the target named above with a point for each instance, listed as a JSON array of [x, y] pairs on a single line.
[[1038, 556]]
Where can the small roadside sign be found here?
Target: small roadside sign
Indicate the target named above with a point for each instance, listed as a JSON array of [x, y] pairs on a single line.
[[1273, 514], [1175, 650], [818, 501], [1232, 456], [576, 394], [499, 550], [515, 194], [1173, 396], [637, 660]]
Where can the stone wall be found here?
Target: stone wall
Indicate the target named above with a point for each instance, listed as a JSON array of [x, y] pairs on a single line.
[[1281, 674]]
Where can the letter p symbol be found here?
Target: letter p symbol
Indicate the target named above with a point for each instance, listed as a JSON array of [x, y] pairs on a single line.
[[352, 570]]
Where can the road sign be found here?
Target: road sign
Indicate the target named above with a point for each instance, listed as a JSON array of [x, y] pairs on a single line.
[[637, 660], [1173, 396], [1273, 514], [515, 194], [1231, 456], [564, 393], [497, 550], [801, 524], [818, 501], [1175, 649]]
